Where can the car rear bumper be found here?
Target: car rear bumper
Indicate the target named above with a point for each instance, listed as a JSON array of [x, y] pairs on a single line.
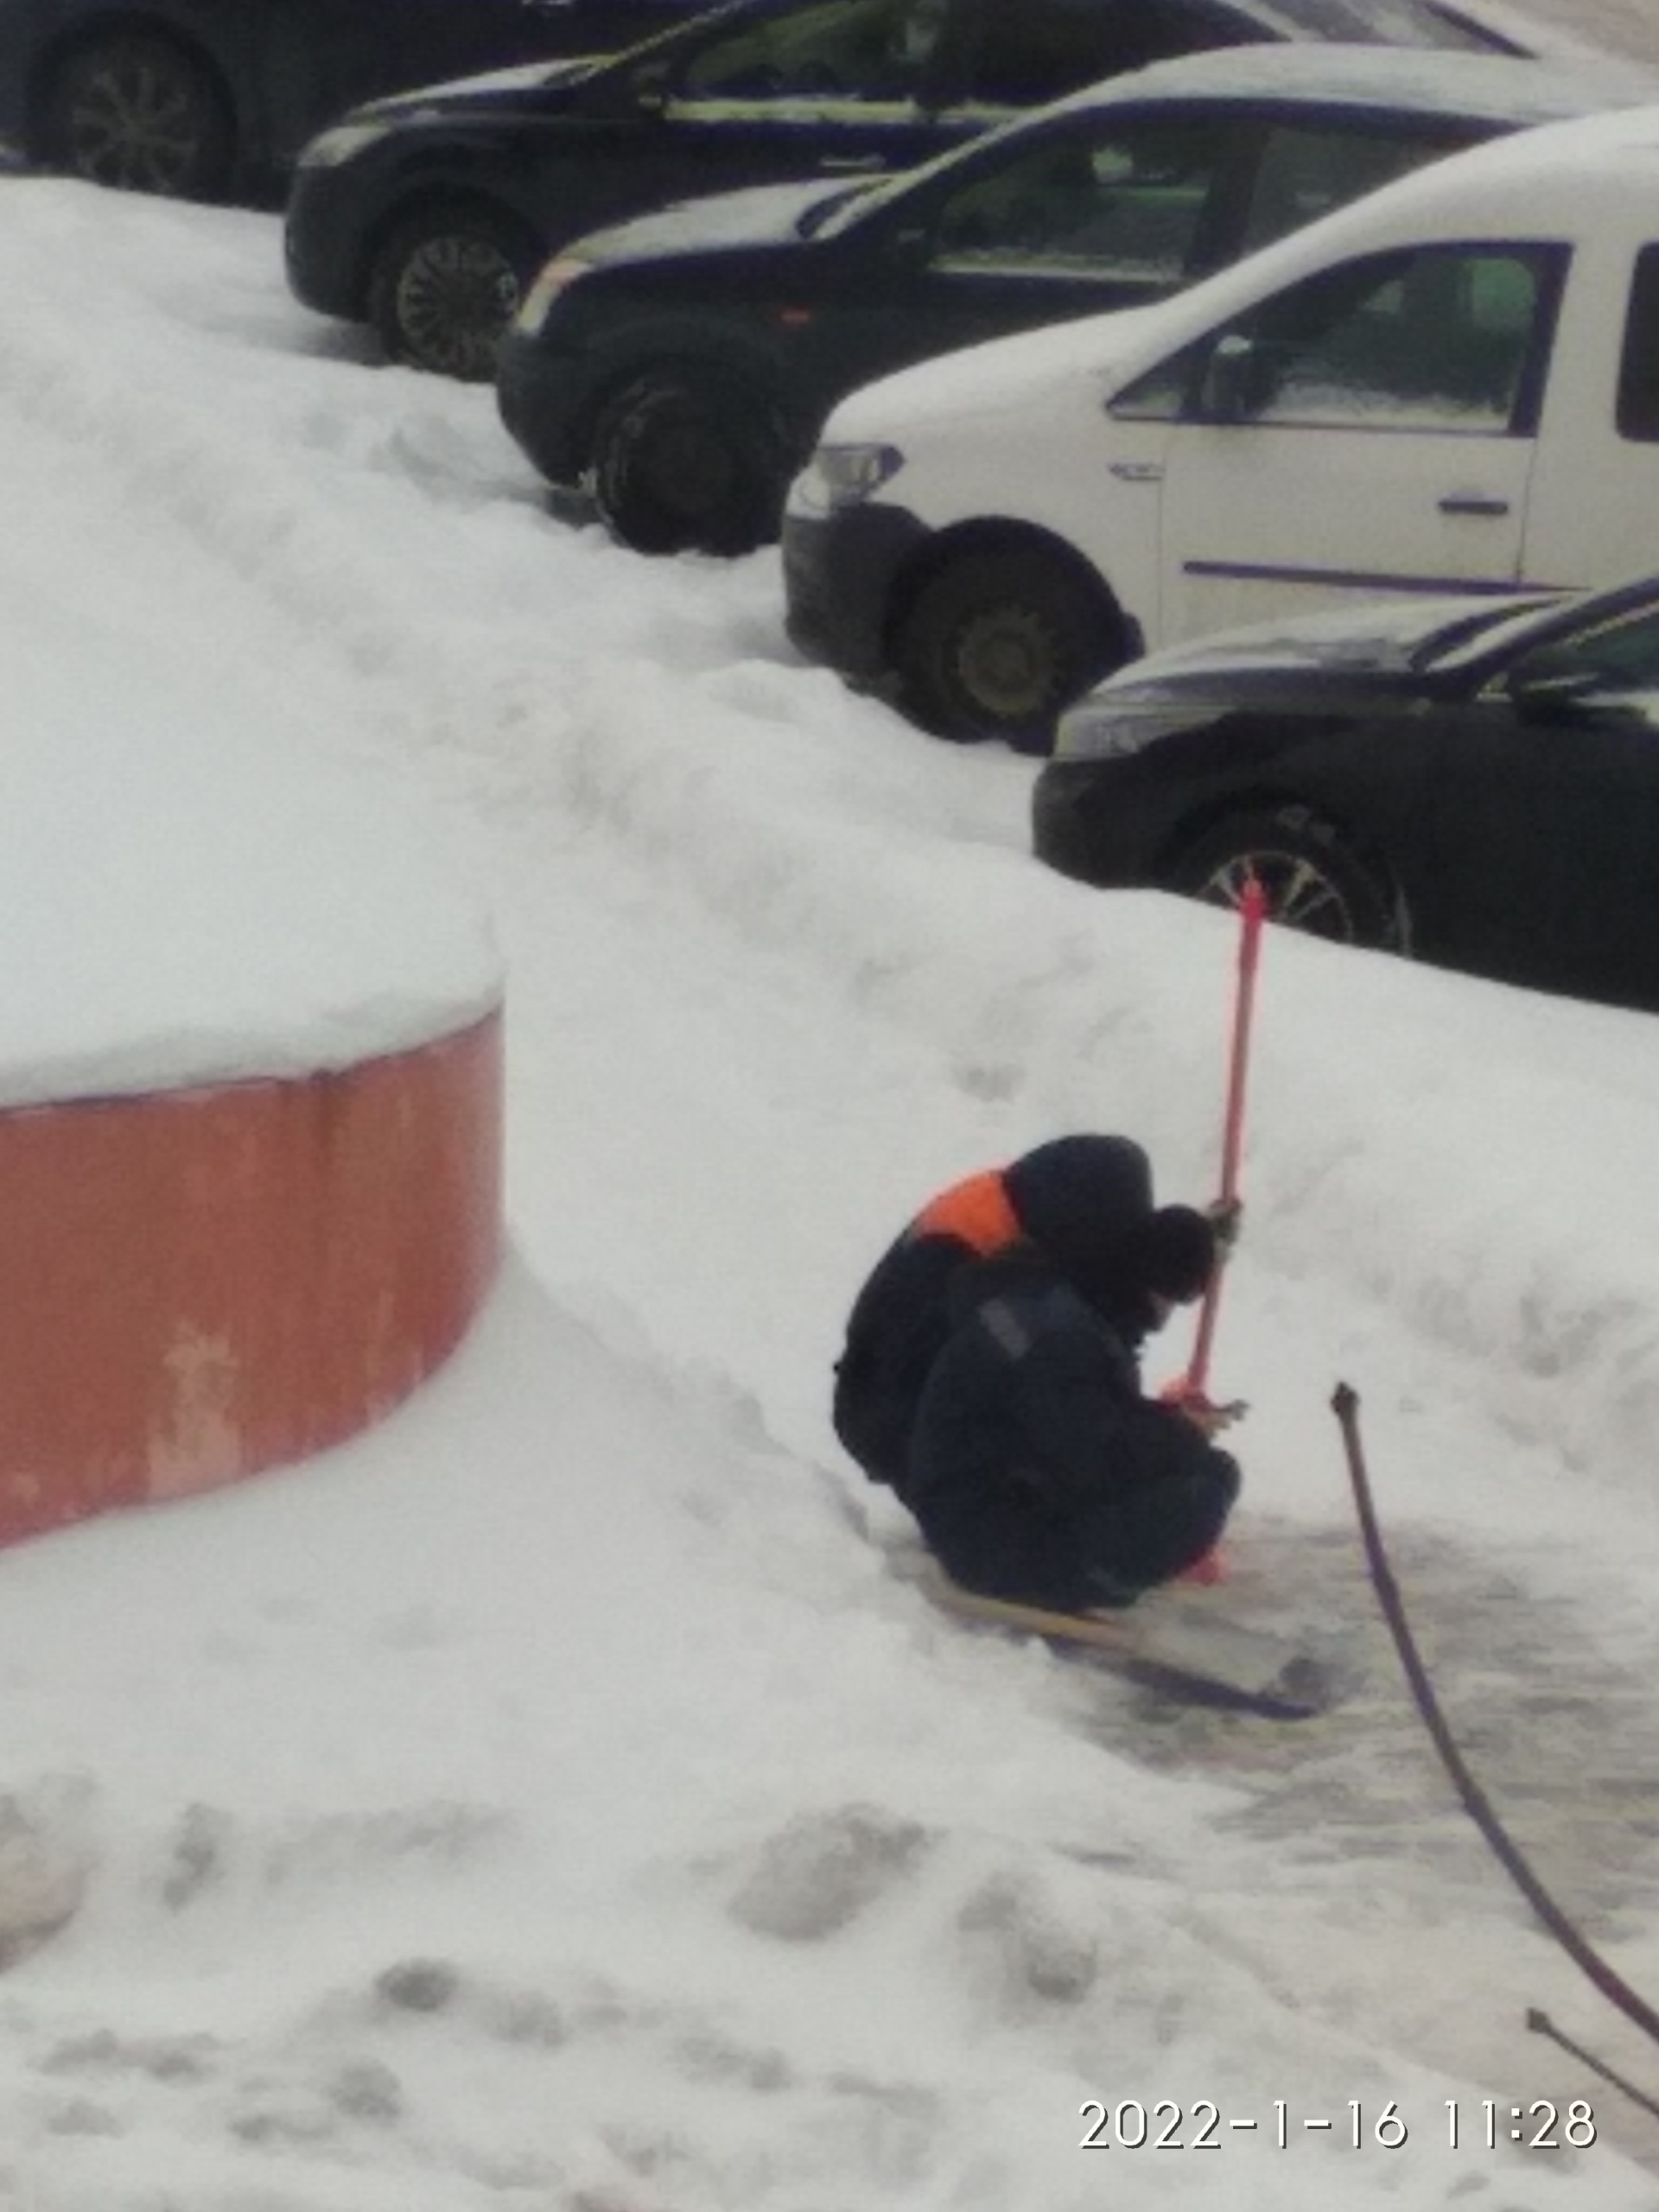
[[839, 571]]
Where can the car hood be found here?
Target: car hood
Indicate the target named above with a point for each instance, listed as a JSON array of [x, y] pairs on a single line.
[[764, 214], [500, 92], [1381, 645]]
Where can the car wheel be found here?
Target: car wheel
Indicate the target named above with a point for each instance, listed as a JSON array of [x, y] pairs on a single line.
[[444, 287], [1315, 879], [682, 464], [142, 114], [996, 644]]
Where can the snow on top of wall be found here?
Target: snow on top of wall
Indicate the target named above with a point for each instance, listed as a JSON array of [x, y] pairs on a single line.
[[194, 891]]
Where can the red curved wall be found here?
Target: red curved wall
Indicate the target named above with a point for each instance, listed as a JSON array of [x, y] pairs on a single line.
[[197, 1284]]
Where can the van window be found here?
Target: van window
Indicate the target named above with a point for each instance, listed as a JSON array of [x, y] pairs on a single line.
[[1444, 338], [1639, 369]]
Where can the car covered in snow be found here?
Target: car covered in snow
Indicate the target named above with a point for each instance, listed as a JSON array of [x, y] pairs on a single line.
[[680, 366], [427, 215], [1451, 385]]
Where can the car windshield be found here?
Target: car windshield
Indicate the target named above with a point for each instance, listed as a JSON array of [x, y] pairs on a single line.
[[1614, 636], [831, 213], [1501, 626], [1387, 23], [879, 191], [667, 41]]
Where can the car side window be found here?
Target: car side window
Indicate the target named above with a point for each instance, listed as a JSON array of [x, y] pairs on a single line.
[[1122, 203], [1025, 52], [1441, 337], [1639, 369], [863, 50], [1303, 173]]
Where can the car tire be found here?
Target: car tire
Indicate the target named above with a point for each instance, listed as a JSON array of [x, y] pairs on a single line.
[[1317, 880], [142, 113], [997, 642], [681, 462], [444, 286]]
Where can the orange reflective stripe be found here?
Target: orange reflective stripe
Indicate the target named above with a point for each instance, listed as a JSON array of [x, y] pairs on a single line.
[[977, 1211]]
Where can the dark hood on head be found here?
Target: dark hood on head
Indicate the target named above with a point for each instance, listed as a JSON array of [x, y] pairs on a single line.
[[1085, 1201]]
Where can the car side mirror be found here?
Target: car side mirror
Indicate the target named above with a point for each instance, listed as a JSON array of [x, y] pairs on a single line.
[[650, 89], [1228, 380]]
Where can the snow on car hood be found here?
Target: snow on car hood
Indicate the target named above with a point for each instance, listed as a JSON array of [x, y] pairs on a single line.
[[1010, 376], [761, 214], [1385, 633]]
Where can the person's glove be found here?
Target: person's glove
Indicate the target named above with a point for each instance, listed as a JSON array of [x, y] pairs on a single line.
[[1226, 1219], [1208, 1418]]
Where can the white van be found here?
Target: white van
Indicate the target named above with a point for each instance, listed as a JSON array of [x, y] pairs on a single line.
[[1452, 386]]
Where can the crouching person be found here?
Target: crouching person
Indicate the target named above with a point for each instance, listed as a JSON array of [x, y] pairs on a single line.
[[1036, 1467]]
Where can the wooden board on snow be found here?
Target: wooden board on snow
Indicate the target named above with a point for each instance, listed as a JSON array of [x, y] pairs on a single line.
[[1183, 1640]]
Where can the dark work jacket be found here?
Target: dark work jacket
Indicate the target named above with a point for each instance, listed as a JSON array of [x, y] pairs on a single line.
[[1072, 1191], [1037, 1468]]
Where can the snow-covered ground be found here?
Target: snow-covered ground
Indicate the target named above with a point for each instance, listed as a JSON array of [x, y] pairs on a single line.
[[556, 1801]]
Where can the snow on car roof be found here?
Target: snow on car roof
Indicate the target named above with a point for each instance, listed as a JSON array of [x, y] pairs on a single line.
[[1429, 80]]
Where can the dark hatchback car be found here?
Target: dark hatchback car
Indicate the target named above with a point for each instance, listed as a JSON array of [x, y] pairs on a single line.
[[427, 215], [210, 98], [680, 366], [1475, 783]]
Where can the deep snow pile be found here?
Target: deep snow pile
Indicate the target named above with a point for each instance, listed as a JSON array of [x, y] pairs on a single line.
[[555, 1800]]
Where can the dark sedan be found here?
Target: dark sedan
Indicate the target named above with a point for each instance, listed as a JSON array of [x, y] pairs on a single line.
[[1475, 783], [426, 215], [682, 364], [208, 98]]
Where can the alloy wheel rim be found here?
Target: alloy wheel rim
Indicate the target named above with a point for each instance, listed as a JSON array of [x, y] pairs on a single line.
[[135, 127], [455, 299], [1298, 892]]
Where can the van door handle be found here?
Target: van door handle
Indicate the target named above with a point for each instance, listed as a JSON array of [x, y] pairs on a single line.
[[852, 162], [1472, 503]]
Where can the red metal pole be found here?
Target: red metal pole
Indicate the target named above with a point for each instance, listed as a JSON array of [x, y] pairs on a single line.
[[1191, 1390], [1252, 913]]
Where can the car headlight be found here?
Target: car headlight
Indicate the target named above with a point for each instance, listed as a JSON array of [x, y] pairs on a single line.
[[555, 276], [330, 148], [1101, 728], [845, 476]]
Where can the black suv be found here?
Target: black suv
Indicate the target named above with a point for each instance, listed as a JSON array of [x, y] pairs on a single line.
[[211, 98], [679, 366], [427, 214]]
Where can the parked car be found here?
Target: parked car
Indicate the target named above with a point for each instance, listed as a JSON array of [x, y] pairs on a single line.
[[427, 215], [1451, 383], [680, 366], [1474, 782], [214, 98]]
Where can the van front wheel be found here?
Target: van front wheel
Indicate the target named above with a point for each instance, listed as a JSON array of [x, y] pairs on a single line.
[[996, 643]]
